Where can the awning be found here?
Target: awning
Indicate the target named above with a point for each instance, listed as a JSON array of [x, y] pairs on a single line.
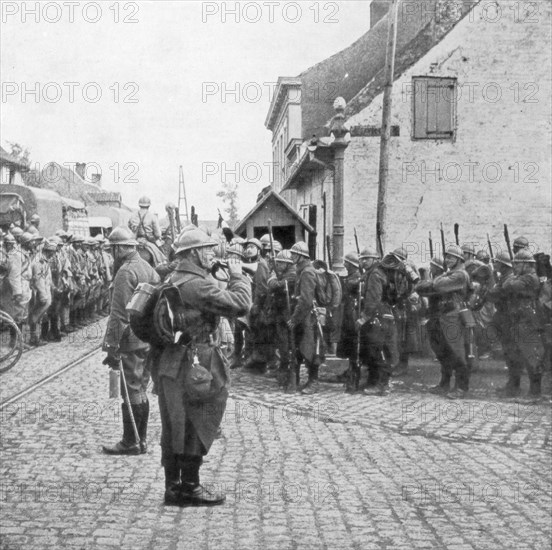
[[72, 204]]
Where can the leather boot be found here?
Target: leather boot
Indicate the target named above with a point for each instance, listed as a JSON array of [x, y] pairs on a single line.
[[353, 378], [312, 386], [128, 445], [143, 426], [535, 385], [192, 492], [172, 482], [511, 389], [35, 339]]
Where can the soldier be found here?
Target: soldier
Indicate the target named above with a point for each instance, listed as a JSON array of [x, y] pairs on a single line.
[[483, 256], [17, 232], [502, 322], [42, 290], [257, 332], [281, 288], [377, 325], [406, 308], [437, 339], [468, 251], [187, 431], [56, 271], [27, 252], [32, 226], [452, 288], [123, 347], [520, 243], [15, 293], [522, 291], [303, 319], [143, 223], [347, 346]]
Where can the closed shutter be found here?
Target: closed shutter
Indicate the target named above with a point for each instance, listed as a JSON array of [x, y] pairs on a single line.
[[434, 108]]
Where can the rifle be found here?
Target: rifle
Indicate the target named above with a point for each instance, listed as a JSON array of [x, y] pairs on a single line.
[[490, 248], [507, 239], [328, 250], [456, 237], [443, 239], [177, 221], [272, 255], [378, 239], [293, 366], [354, 370], [430, 245]]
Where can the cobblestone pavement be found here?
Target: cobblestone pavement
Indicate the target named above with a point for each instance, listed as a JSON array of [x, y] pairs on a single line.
[[327, 471]]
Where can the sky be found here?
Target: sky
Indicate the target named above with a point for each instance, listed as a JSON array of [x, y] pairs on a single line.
[[136, 89]]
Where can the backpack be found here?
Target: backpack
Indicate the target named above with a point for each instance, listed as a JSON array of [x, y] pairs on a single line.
[[157, 315], [328, 291]]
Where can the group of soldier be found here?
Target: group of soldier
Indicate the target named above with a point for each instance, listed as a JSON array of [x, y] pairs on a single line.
[[275, 303], [464, 305], [53, 286]]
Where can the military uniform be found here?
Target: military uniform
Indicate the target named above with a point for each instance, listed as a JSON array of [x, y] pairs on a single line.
[[277, 311], [452, 288], [521, 291], [378, 332], [347, 346], [120, 342], [190, 423], [307, 334]]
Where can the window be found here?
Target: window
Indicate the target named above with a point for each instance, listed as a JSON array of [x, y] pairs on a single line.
[[434, 108]]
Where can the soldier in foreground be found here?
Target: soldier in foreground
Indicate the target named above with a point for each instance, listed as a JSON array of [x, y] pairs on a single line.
[[192, 399], [123, 346]]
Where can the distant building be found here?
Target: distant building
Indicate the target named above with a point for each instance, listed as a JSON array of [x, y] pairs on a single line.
[[11, 169], [470, 128]]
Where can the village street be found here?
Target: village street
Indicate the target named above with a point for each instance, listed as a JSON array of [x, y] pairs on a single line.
[[326, 471]]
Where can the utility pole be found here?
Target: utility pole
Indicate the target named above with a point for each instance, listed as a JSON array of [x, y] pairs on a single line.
[[392, 17], [182, 195]]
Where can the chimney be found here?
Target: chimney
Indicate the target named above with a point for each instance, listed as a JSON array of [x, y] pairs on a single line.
[[80, 168], [97, 179], [378, 10]]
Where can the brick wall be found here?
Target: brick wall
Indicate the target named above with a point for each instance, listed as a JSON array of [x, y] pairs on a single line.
[[508, 138]]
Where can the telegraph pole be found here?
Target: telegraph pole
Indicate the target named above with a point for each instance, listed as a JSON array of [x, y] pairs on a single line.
[[392, 18]]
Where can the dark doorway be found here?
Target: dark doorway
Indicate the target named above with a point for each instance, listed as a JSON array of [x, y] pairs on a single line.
[[285, 234]]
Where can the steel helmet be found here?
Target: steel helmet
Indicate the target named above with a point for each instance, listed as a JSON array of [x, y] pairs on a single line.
[[192, 238], [454, 250], [400, 253], [61, 233], [50, 246], [256, 242], [144, 202], [76, 239], [56, 239], [35, 218], [482, 256], [468, 248], [122, 236], [351, 258], [265, 241], [238, 240], [16, 231], [368, 253], [235, 250], [300, 248], [99, 238], [26, 238], [438, 262], [503, 258], [521, 242], [9, 238], [524, 256], [277, 246], [284, 257]]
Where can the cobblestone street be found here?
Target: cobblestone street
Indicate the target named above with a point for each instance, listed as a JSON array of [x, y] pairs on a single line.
[[330, 471]]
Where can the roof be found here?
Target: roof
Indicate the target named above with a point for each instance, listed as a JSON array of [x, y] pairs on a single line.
[[272, 194], [106, 196], [347, 72], [63, 180], [10, 160], [420, 45]]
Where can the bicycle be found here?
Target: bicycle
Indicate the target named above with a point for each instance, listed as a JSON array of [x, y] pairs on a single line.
[[9, 358]]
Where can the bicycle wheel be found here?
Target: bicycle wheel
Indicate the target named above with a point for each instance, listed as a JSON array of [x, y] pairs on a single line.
[[12, 349]]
